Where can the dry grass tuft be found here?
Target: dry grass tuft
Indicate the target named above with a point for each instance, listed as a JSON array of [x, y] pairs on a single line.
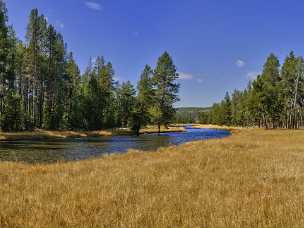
[[254, 178]]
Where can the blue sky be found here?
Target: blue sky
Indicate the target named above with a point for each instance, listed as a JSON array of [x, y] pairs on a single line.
[[217, 45]]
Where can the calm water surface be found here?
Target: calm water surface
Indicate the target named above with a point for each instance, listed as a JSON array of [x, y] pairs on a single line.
[[78, 149]]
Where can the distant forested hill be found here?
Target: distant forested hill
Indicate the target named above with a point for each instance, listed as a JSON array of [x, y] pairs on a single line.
[[190, 114]]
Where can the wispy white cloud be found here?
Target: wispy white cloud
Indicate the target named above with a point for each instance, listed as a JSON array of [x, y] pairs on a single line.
[[252, 75], [185, 76], [190, 77], [240, 63], [93, 5]]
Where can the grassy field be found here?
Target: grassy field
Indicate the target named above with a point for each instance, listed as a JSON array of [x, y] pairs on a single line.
[[255, 178]]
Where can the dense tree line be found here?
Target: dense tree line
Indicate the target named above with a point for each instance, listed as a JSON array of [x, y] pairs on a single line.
[[275, 99], [41, 85], [188, 115]]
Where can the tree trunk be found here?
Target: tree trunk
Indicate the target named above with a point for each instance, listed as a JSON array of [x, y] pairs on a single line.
[[138, 130], [158, 128]]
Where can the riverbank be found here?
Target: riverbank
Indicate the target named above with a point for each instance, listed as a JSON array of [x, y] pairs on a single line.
[[255, 178], [44, 134], [212, 126]]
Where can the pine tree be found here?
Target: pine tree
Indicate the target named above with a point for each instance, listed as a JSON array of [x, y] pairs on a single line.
[[166, 90], [53, 102], [227, 112], [10, 102], [298, 94], [107, 98], [4, 54], [99, 102], [72, 116], [272, 106], [36, 54], [126, 102], [236, 108], [145, 88], [289, 84], [19, 60], [12, 118], [144, 100]]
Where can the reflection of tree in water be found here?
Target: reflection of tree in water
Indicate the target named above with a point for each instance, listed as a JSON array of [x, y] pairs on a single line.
[[32, 151]]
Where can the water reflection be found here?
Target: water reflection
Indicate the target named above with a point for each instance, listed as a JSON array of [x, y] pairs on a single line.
[[78, 149]]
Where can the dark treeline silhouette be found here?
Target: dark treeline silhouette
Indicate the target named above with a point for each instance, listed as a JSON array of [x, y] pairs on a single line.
[[41, 85], [275, 99]]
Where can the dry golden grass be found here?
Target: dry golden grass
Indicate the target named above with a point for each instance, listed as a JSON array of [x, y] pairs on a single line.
[[254, 178]]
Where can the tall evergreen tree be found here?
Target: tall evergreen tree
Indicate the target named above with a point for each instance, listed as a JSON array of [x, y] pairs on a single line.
[[12, 116], [54, 102], [166, 90], [227, 111], [144, 100], [4, 53], [99, 97], [73, 112], [271, 103], [108, 102], [10, 102], [36, 54], [126, 102], [145, 88], [290, 84]]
